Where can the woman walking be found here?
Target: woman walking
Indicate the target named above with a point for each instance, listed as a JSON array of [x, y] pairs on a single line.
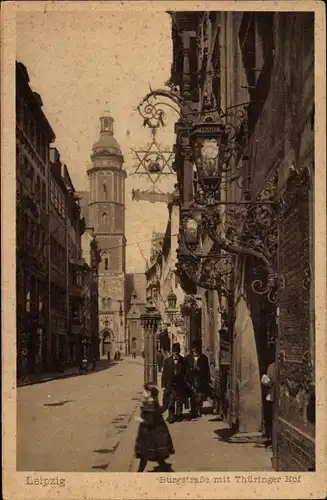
[[153, 441]]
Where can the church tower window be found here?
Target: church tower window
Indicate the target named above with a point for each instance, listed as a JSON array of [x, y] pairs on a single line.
[[105, 191], [105, 261], [104, 218]]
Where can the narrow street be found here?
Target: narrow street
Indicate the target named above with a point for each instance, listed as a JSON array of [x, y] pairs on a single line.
[[86, 424], [75, 424]]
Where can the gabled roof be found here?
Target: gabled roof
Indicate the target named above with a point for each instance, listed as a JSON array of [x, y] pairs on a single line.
[[84, 204], [135, 311]]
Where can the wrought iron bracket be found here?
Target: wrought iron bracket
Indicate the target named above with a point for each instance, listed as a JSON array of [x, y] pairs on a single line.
[[247, 228]]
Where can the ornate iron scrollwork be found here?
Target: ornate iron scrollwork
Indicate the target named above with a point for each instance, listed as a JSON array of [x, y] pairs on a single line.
[[190, 305], [212, 272], [246, 228]]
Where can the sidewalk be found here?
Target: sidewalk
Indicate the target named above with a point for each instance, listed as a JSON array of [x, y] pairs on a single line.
[[73, 371], [200, 445]]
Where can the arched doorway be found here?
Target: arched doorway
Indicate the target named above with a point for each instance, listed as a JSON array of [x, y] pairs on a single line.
[[106, 342], [134, 344]]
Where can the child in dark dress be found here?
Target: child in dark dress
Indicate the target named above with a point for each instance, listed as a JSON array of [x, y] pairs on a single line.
[[153, 441]]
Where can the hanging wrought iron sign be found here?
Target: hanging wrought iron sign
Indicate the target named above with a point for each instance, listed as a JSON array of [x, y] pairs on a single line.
[[215, 141], [154, 161]]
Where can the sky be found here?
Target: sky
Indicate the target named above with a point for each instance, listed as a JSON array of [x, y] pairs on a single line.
[[82, 63]]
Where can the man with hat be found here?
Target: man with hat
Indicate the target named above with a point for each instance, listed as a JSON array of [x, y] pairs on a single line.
[[173, 381], [199, 378]]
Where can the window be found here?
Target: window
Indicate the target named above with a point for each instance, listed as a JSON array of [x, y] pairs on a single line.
[[105, 191], [44, 195], [28, 301], [104, 218], [52, 192], [106, 264], [56, 201], [61, 205], [38, 189], [106, 302], [134, 343]]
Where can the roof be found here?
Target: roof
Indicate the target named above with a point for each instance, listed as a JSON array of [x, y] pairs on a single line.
[[135, 282], [108, 143], [84, 204], [156, 245], [33, 98]]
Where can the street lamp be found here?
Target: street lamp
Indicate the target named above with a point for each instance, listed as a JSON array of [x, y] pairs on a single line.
[[208, 141], [121, 312], [150, 320], [172, 312]]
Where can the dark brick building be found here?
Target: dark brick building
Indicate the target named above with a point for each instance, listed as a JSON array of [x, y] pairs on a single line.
[[49, 226], [33, 138]]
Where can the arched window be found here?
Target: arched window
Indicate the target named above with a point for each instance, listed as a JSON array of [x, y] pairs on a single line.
[[105, 261], [28, 301], [106, 302], [104, 218], [133, 344], [105, 190]]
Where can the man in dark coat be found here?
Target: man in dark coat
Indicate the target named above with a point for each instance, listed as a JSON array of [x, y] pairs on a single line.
[[160, 361], [173, 381], [198, 378]]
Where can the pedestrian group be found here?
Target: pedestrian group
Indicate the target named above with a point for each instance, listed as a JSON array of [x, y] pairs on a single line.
[[186, 383]]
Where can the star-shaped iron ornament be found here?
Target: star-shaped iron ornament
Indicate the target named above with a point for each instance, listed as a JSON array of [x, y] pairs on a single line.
[[154, 161]]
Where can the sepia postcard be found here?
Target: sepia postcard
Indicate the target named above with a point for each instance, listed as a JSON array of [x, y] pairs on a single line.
[[163, 215]]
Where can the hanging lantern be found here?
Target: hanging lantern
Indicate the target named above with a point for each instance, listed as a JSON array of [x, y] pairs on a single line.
[[208, 141], [191, 232], [172, 300]]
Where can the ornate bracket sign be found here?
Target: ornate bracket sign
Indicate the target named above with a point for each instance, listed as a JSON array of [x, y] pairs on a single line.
[[154, 161], [152, 195]]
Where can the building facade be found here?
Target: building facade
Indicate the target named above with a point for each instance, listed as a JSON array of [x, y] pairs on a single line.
[[229, 64], [106, 214], [58, 269], [48, 231], [135, 297], [162, 283], [92, 259], [33, 138]]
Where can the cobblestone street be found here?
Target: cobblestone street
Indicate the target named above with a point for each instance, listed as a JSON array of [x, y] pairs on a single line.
[[75, 424]]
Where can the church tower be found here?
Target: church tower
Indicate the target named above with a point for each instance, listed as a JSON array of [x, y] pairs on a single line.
[[106, 214]]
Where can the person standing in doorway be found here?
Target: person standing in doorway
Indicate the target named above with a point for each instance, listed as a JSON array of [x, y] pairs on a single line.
[[269, 382], [160, 360], [199, 378]]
